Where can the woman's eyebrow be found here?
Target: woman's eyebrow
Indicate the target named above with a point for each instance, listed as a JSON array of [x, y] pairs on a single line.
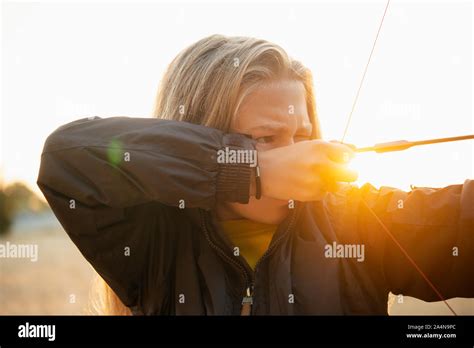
[[270, 127], [305, 129]]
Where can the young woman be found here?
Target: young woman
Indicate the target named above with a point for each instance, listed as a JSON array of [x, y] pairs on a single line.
[[175, 227]]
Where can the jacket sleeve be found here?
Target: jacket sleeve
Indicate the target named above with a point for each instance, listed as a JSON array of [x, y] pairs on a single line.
[[113, 183], [434, 226]]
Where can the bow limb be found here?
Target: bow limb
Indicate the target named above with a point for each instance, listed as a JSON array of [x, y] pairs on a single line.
[[366, 205]]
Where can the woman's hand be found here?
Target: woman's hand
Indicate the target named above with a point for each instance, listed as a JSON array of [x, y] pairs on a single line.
[[304, 171]]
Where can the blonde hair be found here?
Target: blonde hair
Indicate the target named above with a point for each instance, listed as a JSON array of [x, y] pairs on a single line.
[[205, 84], [103, 300]]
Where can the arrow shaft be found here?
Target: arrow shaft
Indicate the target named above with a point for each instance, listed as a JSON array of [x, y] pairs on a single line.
[[403, 145], [443, 140]]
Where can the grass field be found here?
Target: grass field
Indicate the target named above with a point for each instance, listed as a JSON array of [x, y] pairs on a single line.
[[57, 283]]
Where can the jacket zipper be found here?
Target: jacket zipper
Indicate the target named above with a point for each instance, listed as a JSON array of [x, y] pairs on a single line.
[[269, 251], [243, 271], [249, 279]]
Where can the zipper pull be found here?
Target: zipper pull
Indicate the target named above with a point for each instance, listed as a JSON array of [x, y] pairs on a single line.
[[247, 302]]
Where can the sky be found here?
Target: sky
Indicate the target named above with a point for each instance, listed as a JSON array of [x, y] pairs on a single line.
[[61, 61]]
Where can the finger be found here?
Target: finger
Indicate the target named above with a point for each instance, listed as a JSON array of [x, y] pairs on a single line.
[[338, 172], [337, 152], [353, 147], [331, 186], [328, 186]]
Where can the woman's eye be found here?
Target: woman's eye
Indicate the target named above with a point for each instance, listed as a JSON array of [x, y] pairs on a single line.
[[264, 140]]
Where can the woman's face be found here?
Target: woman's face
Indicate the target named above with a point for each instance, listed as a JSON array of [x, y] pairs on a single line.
[[275, 115]]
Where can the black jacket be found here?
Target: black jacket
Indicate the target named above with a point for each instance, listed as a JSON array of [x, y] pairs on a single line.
[[116, 184]]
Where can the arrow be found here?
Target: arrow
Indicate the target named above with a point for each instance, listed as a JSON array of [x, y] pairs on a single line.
[[400, 145]]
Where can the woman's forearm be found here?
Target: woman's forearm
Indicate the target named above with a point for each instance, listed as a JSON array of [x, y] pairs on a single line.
[[121, 161]]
